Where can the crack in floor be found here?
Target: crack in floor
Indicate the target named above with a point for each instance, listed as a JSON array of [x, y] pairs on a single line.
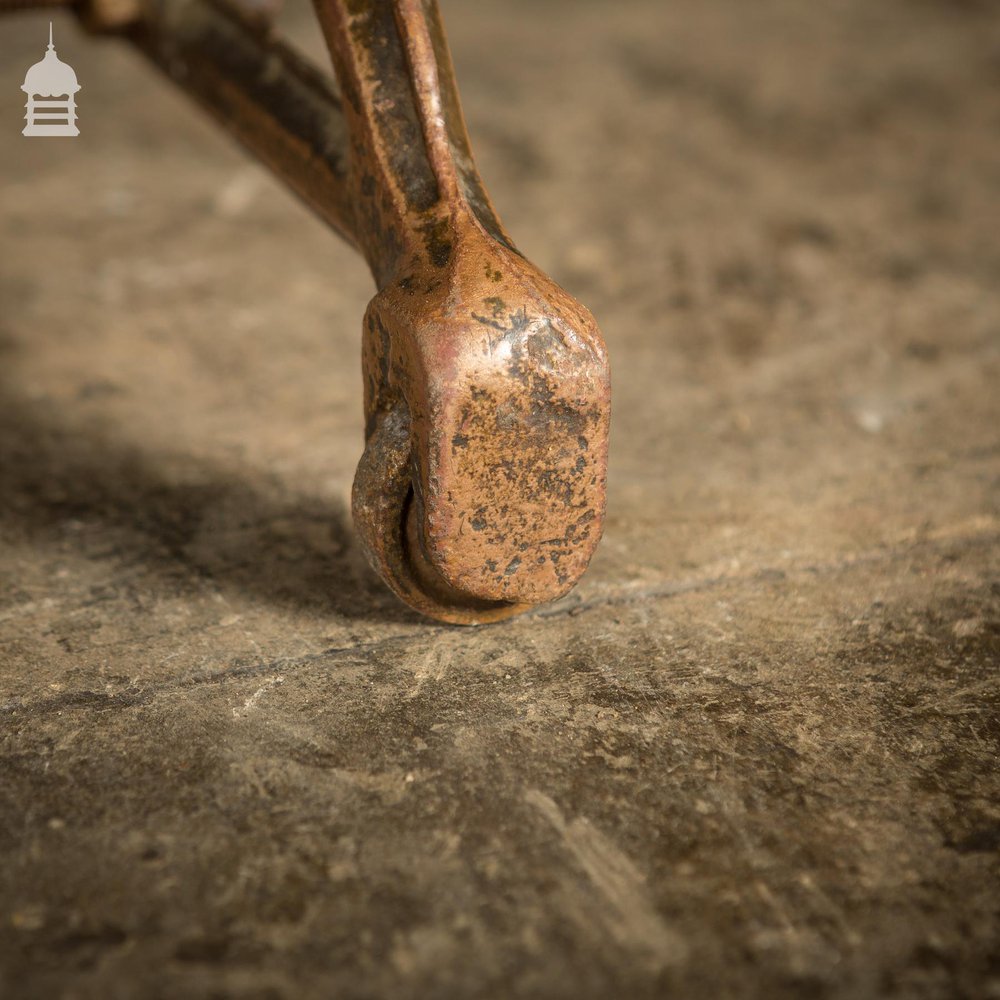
[[571, 606]]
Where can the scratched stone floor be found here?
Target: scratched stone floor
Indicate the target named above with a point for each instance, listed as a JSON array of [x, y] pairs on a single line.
[[754, 754]]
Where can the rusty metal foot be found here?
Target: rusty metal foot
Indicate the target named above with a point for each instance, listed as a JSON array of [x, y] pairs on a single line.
[[486, 389]]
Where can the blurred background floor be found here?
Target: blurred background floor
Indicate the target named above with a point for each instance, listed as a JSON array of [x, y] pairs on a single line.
[[755, 753]]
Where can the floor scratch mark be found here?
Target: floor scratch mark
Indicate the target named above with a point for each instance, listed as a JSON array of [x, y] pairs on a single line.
[[627, 911], [251, 703]]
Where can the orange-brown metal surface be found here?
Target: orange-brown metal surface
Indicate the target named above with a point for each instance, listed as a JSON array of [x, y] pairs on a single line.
[[486, 388]]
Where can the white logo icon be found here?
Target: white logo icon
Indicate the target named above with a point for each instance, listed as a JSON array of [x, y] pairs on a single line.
[[50, 78]]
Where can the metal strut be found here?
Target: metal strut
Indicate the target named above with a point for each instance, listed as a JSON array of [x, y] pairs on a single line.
[[481, 489]]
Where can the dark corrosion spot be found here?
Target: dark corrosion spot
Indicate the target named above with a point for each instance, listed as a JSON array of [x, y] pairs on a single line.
[[435, 234], [459, 441], [512, 566], [496, 305]]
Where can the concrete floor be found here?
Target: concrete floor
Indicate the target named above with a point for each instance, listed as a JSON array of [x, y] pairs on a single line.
[[754, 754]]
